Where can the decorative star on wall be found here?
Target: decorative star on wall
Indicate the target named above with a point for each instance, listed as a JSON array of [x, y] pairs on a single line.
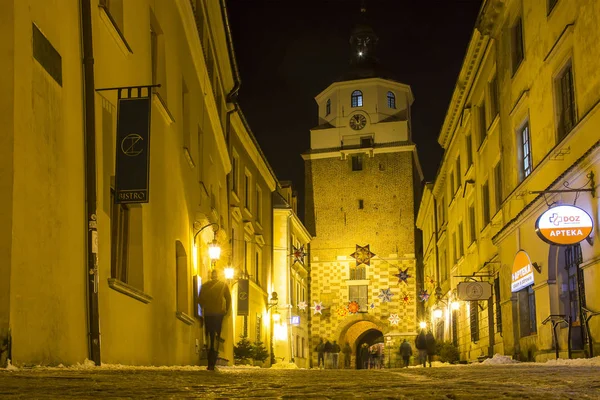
[[299, 255], [362, 255], [423, 295], [405, 298], [430, 281], [353, 307], [302, 305], [342, 311], [385, 295], [372, 306], [402, 275], [394, 319], [318, 308]]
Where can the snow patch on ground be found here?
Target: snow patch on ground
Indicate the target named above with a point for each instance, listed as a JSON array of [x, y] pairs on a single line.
[[284, 365], [11, 367], [498, 359], [576, 362]]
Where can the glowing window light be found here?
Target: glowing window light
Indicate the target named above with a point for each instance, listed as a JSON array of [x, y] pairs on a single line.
[[280, 332]]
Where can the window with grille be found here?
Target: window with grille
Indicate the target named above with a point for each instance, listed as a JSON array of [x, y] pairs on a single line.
[[119, 239], [517, 47], [576, 284], [474, 320], [565, 102], [391, 100], [359, 293], [358, 272], [357, 163], [357, 98]]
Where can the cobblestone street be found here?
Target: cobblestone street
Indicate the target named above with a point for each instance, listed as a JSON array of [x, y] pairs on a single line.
[[529, 381]]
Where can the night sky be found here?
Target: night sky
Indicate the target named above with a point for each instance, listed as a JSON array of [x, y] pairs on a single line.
[[288, 51]]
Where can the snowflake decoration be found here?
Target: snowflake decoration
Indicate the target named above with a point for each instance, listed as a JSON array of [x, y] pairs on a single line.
[[385, 295], [402, 275], [423, 295], [302, 305], [353, 307], [394, 319], [342, 311], [362, 255], [299, 255], [430, 281], [406, 298], [318, 307]]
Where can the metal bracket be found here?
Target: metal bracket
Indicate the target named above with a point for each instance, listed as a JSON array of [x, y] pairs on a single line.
[[130, 88], [591, 189]]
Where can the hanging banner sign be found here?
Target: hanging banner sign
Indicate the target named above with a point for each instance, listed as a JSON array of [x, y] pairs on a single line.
[[522, 272], [564, 225], [243, 290], [132, 175]]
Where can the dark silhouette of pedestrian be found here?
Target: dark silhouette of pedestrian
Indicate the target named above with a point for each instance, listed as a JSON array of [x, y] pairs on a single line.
[[327, 348], [335, 354], [421, 345], [364, 356], [320, 349], [430, 345], [347, 350], [406, 352], [215, 300]]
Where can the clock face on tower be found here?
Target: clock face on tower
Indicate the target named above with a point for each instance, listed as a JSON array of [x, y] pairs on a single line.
[[357, 121]]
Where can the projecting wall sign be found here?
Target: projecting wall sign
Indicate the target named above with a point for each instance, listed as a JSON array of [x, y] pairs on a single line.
[[469, 291], [522, 272], [564, 225]]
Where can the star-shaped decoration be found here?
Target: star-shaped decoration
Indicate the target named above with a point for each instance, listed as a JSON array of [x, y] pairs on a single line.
[[385, 295], [353, 307], [423, 295], [402, 275], [342, 311], [406, 298], [430, 281], [299, 255], [302, 305], [362, 255], [372, 306], [394, 319], [318, 308]]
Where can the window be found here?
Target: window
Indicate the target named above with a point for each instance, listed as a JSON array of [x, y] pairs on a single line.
[[452, 187], [460, 240], [573, 259], [359, 293], [358, 272], [391, 100], [485, 198], [185, 117], [119, 239], [357, 163], [474, 319], [472, 224], [158, 59], [469, 140], [525, 162], [235, 174], [366, 141], [454, 248], [482, 123], [527, 317], [247, 191], [258, 205], [114, 10], [565, 102], [444, 267], [498, 185], [551, 4], [361, 204], [181, 273], [357, 98], [458, 173], [494, 104], [328, 107], [498, 308], [455, 328], [517, 48], [258, 328], [257, 268], [441, 214]]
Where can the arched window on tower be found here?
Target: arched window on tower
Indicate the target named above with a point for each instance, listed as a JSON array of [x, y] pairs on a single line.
[[328, 107], [357, 98], [391, 100]]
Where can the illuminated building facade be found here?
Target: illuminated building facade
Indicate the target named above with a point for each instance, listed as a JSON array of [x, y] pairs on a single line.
[[362, 178], [520, 134]]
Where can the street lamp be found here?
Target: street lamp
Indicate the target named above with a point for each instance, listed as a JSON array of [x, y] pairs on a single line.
[[229, 272], [422, 324], [437, 313], [214, 251]]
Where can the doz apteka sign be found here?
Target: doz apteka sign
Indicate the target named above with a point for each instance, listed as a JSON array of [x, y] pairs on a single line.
[[564, 225]]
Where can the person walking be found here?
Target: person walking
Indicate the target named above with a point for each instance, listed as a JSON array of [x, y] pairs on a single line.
[[215, 300], [364, 356], [335, 354], [405, 352], [320, 349], [328, 347], [430, 345], [421, 345], [347, 355]]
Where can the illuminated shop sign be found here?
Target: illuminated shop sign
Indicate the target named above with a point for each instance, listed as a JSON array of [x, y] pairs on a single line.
[[295, 320], [564, 225], [522, 272]]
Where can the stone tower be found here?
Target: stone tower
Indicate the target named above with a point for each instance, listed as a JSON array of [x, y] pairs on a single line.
[[362, 183]]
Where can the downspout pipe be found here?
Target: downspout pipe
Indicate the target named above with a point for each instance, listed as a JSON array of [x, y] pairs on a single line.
[[89, 109], [237, 81]]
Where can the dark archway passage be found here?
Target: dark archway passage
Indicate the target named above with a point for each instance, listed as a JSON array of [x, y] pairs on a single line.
[[369, 338]]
